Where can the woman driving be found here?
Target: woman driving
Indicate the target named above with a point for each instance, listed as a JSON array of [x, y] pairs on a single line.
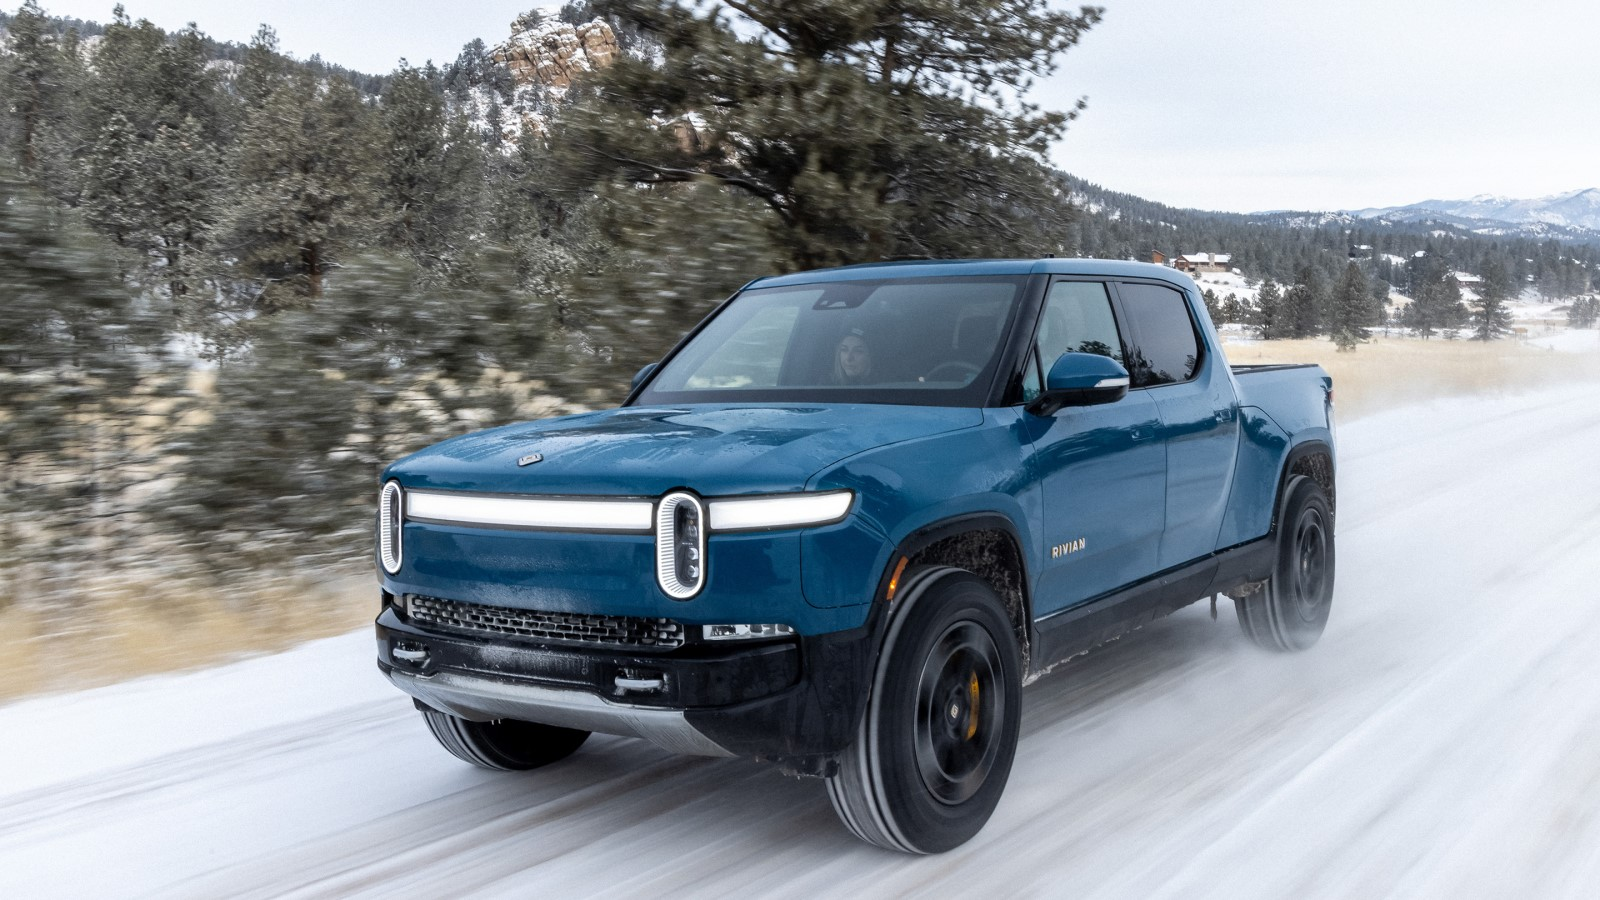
[[852, 359]]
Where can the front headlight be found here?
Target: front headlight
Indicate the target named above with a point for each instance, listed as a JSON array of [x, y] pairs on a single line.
[[391, 521], [779, 511]]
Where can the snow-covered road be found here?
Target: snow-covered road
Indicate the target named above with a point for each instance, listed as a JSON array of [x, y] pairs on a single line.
[[1443, 740]]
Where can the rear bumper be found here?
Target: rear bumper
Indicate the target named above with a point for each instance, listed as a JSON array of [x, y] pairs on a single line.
[[795, 701]]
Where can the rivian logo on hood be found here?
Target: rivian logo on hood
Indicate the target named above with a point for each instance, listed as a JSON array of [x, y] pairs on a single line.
[[530, 459]]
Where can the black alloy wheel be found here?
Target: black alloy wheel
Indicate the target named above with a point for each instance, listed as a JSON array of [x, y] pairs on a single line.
[[960, 708], [934, 749], [1291, 611]]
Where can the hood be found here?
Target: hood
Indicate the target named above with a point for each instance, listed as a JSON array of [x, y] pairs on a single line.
[[710, 449]]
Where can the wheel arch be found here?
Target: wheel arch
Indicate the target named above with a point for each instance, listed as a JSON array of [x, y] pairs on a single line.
[[1310, 459], [987, 545]]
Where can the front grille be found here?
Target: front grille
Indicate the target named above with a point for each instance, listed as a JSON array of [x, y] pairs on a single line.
[[616, 631]]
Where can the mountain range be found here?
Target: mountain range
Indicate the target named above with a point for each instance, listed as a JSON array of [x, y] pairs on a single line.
[[1573, 211]]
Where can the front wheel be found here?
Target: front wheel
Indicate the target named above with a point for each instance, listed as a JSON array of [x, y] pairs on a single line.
[[933, 752], [1291, 611], [505, 745]]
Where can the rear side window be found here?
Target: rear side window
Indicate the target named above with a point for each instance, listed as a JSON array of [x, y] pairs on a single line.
[[1163, 348]]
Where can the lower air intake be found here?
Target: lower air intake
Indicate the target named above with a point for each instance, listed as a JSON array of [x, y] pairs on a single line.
[[613, 631]]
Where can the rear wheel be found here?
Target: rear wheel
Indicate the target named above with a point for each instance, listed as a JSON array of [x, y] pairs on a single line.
[[506, 745], [934, 750], [1291, 611]]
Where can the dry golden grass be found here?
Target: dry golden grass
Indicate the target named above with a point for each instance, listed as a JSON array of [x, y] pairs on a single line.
[[149, 629], [1391, 372]]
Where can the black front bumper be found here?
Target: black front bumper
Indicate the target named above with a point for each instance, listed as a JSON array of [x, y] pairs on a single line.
[[797, 700]]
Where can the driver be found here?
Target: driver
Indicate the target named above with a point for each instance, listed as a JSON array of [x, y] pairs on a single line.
[[852, 359]]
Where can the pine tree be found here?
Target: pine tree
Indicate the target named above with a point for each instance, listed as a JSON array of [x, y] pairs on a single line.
[[1584, 312], [263, 70], [306, 168], [1379, 314], [1352, 308], [128, 78], [1303, 304], [1233, 310], [1492, 320], [114, 194], [1268, 320], [1452, 308], [185, 183], [864, 129], [38, 75], [1213, 305], [432, 173]]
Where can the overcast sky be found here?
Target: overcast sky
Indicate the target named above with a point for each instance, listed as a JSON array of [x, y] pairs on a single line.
[[1232, 104]]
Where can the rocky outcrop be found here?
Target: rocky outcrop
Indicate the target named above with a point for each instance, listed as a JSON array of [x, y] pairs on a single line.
[[545, 52]]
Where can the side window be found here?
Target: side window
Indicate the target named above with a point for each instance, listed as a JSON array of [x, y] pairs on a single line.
[[1162, 347], [1077, 319]]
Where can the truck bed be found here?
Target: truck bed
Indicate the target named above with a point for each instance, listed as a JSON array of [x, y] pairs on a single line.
[[1293, 394]]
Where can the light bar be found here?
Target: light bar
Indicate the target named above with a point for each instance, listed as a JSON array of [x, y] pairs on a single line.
[[526, 512], [390, 526], [783, 511]]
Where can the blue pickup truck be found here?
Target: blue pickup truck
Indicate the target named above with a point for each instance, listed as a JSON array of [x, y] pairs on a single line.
[[847, 518]]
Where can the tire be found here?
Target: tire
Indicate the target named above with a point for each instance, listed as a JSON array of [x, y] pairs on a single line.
[[506, 745], [1291, 611], [934, 749]]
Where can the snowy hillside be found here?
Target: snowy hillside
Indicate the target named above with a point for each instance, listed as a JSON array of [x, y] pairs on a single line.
[[1571, 210], [1439, 742]]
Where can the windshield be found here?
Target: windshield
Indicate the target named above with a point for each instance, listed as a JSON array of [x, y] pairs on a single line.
[[926, 341]]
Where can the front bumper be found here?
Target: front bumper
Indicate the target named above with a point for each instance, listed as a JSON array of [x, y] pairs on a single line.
[[796, 700]]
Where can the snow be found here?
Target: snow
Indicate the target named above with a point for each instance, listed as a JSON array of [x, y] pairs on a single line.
[[1568, 340], [1439, 742]]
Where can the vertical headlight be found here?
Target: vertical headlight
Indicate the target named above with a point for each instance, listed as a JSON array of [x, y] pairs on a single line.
[[680, 545], [391, 519]]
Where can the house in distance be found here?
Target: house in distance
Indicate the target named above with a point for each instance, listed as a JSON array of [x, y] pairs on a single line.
[[1203, 262]]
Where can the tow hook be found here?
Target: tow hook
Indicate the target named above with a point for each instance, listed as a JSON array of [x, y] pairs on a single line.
[[639, 682], [411, 653]]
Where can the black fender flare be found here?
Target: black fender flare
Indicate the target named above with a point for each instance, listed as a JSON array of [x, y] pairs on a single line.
[[1287, 476], [932, 533]]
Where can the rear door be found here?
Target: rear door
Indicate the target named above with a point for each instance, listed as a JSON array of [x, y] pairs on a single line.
[[1102, 468], [1198, 410]]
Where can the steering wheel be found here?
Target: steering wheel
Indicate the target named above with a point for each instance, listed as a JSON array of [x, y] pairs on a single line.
[[959, 368]]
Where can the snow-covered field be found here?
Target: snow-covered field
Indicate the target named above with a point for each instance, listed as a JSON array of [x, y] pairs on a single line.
[[1443, 740], [1568, 340]]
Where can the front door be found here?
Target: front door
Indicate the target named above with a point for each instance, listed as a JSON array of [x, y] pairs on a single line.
[[1103, 468]]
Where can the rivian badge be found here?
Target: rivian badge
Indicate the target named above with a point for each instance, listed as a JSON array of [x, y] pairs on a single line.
[[530, 459]]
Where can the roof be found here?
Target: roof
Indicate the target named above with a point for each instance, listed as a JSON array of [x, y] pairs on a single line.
[[1218, 259], [948, 268]]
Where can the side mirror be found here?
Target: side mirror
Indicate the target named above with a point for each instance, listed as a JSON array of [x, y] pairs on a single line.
[[643, 374], [1081, 379]]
